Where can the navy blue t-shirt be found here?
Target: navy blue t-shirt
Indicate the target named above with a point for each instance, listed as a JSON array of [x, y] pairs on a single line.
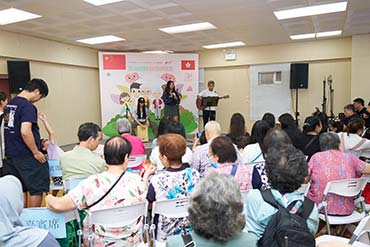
[[18, 111]]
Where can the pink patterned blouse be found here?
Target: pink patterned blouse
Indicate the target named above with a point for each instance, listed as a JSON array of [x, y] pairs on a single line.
[[330, 165], [129, 190], [242, 175]]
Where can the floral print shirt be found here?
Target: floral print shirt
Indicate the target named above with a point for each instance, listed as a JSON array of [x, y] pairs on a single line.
[[332, 165], [129, 190], [170, 184]]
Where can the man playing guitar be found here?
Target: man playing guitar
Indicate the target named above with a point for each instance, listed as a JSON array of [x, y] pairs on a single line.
[[209, 113]]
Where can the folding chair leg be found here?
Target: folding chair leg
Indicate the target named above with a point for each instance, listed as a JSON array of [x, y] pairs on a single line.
[[344, 230]]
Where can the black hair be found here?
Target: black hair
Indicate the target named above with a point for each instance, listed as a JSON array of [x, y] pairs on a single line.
[[259, 131], [176, 128], [141, 111], [275, 137], [224, 149], [237, 126], [211, 82], [135, 85], [163, 124], [167, 89], [337, 124], [286, 168], [350, 107], [242, 141], [269, 118], [354, 125], [3, 96], [115, 150], [39, 84], [87, 130], [360, 101], [310, 124], [287, 121]]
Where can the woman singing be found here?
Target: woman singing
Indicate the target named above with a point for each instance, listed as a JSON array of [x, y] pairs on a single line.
[[171, 99]]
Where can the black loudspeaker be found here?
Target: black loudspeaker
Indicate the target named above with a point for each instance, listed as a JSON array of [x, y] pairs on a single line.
[[18, 75], [298, 75]]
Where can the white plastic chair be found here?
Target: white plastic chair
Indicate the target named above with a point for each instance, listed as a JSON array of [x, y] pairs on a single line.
[[118, 217], [305, 188], [173, 208], [70, 183], [363, 227], [346, 188], [135, 160]]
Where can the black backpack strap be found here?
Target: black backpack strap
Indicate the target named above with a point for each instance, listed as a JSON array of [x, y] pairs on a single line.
[[305, 210], [269, 198]]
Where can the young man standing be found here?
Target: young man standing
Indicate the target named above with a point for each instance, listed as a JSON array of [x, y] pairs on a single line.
[[209, 113], [22, 142]]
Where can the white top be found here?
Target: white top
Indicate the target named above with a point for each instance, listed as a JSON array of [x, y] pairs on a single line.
[[350, 141], [207, 93], [154, 157], [252, 153]]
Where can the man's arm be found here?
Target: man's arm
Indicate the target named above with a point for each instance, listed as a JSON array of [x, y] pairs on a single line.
[[29, 140]]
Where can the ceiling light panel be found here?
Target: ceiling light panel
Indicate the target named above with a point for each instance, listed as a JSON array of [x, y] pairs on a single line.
[[311, 10], [188, 28], [329, 33], [303, 36], [224, 45], [102, 2], [100, 40], [12, 15]]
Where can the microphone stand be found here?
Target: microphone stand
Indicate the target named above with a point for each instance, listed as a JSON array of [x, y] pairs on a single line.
[[331, 95]]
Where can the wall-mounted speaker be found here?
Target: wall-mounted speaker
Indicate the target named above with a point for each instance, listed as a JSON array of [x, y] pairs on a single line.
[[18, 75], [298, 75]]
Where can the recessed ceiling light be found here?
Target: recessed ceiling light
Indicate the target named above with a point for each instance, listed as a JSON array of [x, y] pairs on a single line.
[[311, 10], [101, 39], [303, 36], [224, 45], [158, 52], [12, 15], [329, 33], [188, 28], [102, 2]]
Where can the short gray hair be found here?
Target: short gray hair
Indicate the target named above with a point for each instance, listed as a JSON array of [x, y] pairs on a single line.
[[216, 208], [329, 141], [123, 126], [212, 126]]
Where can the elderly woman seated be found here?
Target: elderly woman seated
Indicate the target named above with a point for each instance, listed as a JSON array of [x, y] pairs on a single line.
[[129, 189], [224, 159], [332, 164], [286, 169], [12, 231], [216, 215], [175, 181]]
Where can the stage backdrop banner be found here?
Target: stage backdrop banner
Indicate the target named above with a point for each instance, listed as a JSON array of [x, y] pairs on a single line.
[[124, 77]]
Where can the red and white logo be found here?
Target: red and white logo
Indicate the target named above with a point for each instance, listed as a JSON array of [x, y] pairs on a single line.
[[114, 61], [187, 64]]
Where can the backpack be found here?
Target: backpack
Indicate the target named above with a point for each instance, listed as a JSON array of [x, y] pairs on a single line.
[[286, 229]]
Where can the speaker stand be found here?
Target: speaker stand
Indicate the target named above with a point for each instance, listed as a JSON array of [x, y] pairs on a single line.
[[296, 107]]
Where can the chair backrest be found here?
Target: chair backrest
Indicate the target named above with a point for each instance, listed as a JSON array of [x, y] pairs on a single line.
[[347, 187], [45, 219], [118, 216], [173, 208], [70, 183], [305, 188], [135, 160], [362, 227]]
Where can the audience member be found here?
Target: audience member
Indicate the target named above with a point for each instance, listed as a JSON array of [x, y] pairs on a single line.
[[253, 151], [311, 132], [286, 169], [81, 162], [22, 142], [162, 129], [352, 142], [140, 116], [219, 225], [200, 158], [237, 127], [137, 147], [323, 119], [175, 181], [349, 113], [336, 125], [359, 105], [269, 118], [172, 128], [51, 149], [289, 125], [12, 231], [3, 103], [112, 188], [224, 159], [332, 164], [241, 142]]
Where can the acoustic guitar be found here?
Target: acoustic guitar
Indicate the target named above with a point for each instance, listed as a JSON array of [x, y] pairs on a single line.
[[199, 101]]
